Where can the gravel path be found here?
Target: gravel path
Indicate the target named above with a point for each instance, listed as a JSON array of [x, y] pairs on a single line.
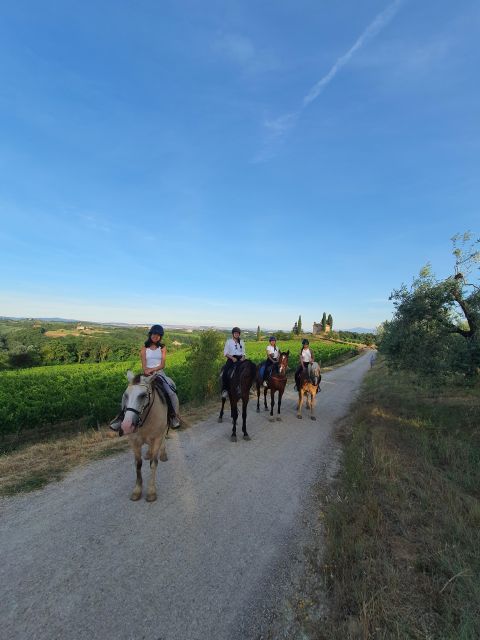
[[209, 560]]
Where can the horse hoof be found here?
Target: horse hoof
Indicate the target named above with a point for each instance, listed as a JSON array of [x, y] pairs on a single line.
[[151, 497], [136, 496], [246, 437], [220, 420], [312, 418], [299, 417], [233, 438], [163, 458]]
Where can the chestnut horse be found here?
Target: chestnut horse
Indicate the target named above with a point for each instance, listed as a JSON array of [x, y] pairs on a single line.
[[145, 421], [276, 382], [240, 382], [307, 384]]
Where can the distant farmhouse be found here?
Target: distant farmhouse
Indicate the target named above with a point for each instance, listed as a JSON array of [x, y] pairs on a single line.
[[317, 328]]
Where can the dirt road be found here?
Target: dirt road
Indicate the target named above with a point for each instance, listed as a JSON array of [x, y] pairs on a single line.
[[208, 560]]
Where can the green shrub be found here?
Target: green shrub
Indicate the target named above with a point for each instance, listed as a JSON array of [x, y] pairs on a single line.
[[203, 364]]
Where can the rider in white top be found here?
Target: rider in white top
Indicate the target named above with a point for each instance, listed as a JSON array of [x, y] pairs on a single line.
[[234, 351], [306, 358], [153, 356], [271, 363]]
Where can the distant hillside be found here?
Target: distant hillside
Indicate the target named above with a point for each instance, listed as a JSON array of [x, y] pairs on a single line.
[[359, 330]]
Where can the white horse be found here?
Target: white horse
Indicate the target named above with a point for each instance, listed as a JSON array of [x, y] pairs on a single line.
[[145, 421]]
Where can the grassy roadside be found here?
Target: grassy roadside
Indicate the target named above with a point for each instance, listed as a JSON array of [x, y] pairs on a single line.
[[402, 523], [53, 452]]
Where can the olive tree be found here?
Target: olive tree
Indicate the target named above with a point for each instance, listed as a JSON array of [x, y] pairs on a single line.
[[435, 327]]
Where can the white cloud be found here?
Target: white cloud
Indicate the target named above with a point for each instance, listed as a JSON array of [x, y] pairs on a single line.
[[277, 128], [373, 29]]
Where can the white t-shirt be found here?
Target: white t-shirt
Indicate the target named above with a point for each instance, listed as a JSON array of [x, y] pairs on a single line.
[[273, 351], [153, 357], [233, 348], [307, 355]]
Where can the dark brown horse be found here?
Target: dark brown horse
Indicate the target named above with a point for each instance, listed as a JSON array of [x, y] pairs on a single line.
[[276, 382], [240, 383]]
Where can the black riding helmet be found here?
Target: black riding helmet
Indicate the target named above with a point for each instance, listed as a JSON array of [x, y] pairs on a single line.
[[272, 338], [158, 329], [235, 330], [305, 341]]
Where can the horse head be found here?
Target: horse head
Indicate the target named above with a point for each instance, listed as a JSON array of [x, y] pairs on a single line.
[[283, 362], [315, 373], [136, 398]]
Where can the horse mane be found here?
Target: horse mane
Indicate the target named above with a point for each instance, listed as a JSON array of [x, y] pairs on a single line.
[[137, 379]]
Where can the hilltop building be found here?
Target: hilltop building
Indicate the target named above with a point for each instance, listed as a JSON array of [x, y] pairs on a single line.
[[317, 328]]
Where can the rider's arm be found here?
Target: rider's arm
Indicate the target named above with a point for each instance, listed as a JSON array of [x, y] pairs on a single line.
[[164, 358], [143, 358]]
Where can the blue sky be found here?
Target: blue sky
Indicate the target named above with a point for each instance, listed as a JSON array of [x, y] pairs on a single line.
[[233, 162]]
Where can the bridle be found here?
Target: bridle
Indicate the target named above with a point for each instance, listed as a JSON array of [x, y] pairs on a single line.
[[146, 407], [282, 364]]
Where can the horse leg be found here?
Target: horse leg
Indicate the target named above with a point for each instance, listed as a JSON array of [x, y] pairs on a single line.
[[234, 412], [220, 417], [312, 407], [280, 394], [265, 389], [152, 487], [244, 418], [300, 403], [272, 400], [137, 491], [258, 397], [163, 450]]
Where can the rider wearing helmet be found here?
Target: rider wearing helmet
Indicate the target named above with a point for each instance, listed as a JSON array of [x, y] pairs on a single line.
[[306, 358], [271, 363], [153, 356], [234, 351]]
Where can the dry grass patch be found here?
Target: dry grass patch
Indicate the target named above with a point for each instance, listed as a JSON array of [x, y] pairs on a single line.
[[46, 456], [35, 465]]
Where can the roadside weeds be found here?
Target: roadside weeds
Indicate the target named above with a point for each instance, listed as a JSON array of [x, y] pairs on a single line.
[[402, 557]]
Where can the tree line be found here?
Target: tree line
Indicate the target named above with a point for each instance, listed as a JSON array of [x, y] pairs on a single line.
[[26, 344]]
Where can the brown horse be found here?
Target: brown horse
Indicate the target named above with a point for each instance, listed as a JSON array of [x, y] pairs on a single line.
[[307, 385], [240, 383], [145, 421], [276, 382]]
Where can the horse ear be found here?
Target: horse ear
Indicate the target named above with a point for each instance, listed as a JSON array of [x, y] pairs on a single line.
[[130, 376], [287, 353]]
